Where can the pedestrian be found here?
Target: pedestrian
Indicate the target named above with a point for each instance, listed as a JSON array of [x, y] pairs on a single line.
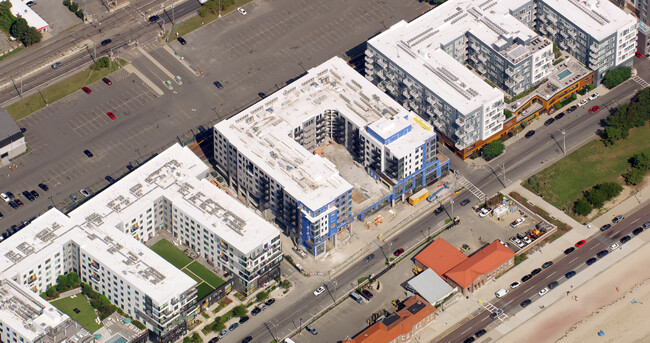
[[617, 289]]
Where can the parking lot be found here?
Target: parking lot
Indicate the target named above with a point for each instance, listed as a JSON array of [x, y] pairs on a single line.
[[56, 15]]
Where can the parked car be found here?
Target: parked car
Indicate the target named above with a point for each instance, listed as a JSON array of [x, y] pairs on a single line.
[[480, 333], [86, 89], [625, 239], [218, 84], [501, 293], [572, 108], [84, 192], [582, 102], [496, 313], [223, 333], [469, 340], [605, 227], [13, 204], [529, 134], [553, 284], [5, 197], [549, 121], [570, 274], [247, 339], [181, 40], [88, 153], [241, 11], [525, 303], [593, 96], [559, 116], [536, 271], [526, 278], [580, 243], [594, 109], [19, 203], [367, 294], [602, 253], [637, 231], [614, 246], [43, 187], [311, 330], [464, 202], [243, 319], [542, 291], [484, 212], [527, 240], [319, 291], [518, 221], [515, 284], [569, 250], [618, 218], [591, 261], [34, 194], [28, 195], [107, 81], [255, 311], [270, 302], [109, 179], [646, 225], [233, 327], [398, 252], [547, 264], [106, 42], [110, 115], [638, 54], [30, 3]]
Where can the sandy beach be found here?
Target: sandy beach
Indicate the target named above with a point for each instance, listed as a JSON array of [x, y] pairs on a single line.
[[603, 303]]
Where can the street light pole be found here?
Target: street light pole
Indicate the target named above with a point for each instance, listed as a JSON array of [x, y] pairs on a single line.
[[219, 8], [563, 141]]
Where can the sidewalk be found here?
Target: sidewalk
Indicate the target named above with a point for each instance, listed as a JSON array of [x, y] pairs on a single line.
[[450, 317]]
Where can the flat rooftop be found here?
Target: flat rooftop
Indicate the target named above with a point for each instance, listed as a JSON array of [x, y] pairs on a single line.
[[263, 132], [599, 18]]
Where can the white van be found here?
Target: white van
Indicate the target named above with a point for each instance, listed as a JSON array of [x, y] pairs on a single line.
[[500, 293], [288, 340]]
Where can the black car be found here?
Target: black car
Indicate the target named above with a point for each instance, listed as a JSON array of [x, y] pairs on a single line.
[[529, 133], [218, 84], [43, 187], [13, 204], [553, 284], [243, 319], [570, 274], [547, 264], [602, 253], [29, 196], [605, 227], [88, 153], [469, 340], [438, 210], [496, 313], [525, 303], [34, 194], [591, 261], [10, 195], [480, 333], [181, 40], [637, 231], [464, 202], [1, 215], [367, 294], [18, 202], [30, 3], [369, 257], [214, 340], [261, 95], [256, 311], [247, 339], [106, 42], [526, 278], [549, 121], [154, 18], [559, 116], [572, 108], [109, 179], [625, 239], [569, 250], [535, 271], [270, 302]]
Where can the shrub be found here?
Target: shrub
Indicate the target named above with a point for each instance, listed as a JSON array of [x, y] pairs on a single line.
[[603, 192], [73, 7], [261, 296], [66, 3], [616, 76], [103, 62], [285, 284], [80, 14], [138, 324], [240, 310], [493, 149], [19, 28], [507, 113], [634, 176], [50, 291], [582, 207]]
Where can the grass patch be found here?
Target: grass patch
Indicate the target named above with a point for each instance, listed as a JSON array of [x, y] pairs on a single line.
[[86, 316], [195, 22], [205, 274], [563, 183], [362, 279], [202, 291], [520, 258], [171, 253], [16, 50], [192, 275], [59, 90]]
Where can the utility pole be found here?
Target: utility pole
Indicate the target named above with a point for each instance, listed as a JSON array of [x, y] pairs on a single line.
[[172, 13], [219, 8], [563, 141], [21, 84]]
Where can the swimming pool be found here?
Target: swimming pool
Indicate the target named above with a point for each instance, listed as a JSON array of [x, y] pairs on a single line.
[[564, 73]]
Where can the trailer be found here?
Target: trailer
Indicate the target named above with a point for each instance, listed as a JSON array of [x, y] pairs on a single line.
[[419, 196]]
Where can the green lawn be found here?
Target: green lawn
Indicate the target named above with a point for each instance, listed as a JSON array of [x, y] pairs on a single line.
[[563, 182], [171, 253], [16, 50], [197, 21], [205, 274], [192, 275], [202, 290], [87, 315], [59, 90]]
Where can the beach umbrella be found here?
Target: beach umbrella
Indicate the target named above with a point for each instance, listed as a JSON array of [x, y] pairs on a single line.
[[601, 333]]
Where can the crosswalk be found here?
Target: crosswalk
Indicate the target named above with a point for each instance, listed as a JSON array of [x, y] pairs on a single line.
[[470, 187], [640, 81]]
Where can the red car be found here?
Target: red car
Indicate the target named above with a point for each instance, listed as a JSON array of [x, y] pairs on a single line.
[[638, 54], [86, 89], [110, 115], [107, 81], [398, 252], [580, 243], [594, 109]]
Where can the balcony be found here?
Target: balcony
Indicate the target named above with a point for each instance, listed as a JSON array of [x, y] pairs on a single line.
[[382, 63], [594, 48], [482, 58], [407, 82], [95, 277], [551, 30], [510, 83], [368, 59], [480, 68], [510, 71], [95, 265], [32, 279], [370, 53]]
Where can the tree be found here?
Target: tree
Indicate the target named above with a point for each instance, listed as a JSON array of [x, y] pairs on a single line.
[[73, 278], [19, 28], [611, 134], [285, 284], [66, 3], [493, 149], [240, 310], [50, 291], [32, 36], [616, 76], [103, 62], [73, 7], [6, 18], [80, 14], [640, 161], [634, 176], [582, 207], [261, 296]]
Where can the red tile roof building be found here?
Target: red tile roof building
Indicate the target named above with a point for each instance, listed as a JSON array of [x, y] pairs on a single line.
[[481, 267], [399, 326], [440, 256]]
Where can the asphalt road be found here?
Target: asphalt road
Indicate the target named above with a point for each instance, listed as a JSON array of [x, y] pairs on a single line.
[[575, 261]]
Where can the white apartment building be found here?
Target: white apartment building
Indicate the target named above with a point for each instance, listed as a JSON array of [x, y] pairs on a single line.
[[26, 318], [268, 153], [102, 239]]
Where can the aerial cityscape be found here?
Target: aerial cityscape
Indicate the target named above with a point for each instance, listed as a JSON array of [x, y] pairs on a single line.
[[292, 171]]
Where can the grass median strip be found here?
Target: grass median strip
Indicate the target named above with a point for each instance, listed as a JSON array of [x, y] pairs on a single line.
[[59, 90]]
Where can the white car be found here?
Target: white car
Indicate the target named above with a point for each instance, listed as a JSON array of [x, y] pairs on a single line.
[[515, 284], [613, 246], [518, 222], [593, 96], [501, 293], [84, 192], [318, 291], [542, 291], [520, 244], [241, 10], [527, 240], [582, 102], [484, 212], [5, 197]]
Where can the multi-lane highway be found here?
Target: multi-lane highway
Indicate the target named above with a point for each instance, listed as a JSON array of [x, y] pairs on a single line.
[[574, 261]]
